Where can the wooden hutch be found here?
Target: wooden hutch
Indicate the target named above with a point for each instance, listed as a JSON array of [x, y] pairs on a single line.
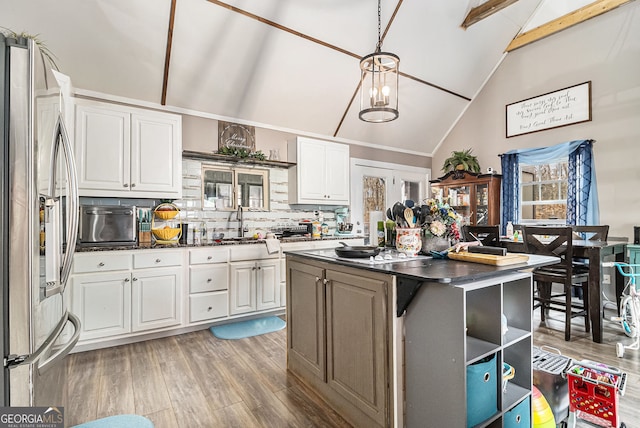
[[475, 196]]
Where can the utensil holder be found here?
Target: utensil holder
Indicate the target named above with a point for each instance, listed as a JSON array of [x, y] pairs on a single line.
[[408, 240]]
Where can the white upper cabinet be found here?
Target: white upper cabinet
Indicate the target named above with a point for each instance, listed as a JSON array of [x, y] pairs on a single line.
[[321, 174], [123, 151]]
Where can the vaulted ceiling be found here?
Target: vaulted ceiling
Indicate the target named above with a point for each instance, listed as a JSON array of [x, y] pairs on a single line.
[[288, 64]]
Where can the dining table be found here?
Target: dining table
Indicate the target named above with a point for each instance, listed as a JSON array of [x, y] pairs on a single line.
[[597, 252]]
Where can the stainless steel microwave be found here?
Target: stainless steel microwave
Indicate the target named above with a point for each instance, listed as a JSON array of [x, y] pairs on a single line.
[[107, 225]]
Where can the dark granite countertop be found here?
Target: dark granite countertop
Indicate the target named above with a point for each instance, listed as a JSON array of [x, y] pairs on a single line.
[[217, 243], [412, 273], [427, 268]]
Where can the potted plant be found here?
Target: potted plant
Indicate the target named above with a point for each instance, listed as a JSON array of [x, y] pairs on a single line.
[[462, 161]]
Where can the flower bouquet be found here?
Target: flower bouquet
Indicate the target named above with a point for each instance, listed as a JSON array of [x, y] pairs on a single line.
[[440, 226]]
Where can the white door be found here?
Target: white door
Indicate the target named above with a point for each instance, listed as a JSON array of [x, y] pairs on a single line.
[[268, 284], [242, 287], [103, 141], [376, 186], [103, 303], [155, 298], [155, 154]]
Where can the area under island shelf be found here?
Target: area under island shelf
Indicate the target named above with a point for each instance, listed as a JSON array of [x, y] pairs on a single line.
[[399, 344]]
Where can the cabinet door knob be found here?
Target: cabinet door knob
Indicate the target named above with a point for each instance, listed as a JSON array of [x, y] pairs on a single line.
[[317, 279], [210, 258], [209, 279], [126, 280], [325, 281], [133, 184], [101, 264], [259, 267], [135, 279], [125, 185], [209, 309], [158, 260]]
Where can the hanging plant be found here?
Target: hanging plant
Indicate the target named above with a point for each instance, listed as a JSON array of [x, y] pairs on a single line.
[[44, 50]]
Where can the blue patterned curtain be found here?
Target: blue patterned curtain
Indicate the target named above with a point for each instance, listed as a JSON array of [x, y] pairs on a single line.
[[510, 190], [582, 198]]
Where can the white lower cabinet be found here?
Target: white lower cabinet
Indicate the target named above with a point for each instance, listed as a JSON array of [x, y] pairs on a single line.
[[254, 286], [155, 298], [121, 292], [208, 284], [103, 303]]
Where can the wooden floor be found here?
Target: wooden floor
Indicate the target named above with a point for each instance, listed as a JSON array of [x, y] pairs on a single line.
[[197, 380]]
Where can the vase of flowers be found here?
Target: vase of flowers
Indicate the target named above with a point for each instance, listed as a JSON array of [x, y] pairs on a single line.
[[441, 226]]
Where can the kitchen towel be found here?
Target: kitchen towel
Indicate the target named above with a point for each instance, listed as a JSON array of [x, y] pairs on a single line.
[[273, 245], [254, 327]]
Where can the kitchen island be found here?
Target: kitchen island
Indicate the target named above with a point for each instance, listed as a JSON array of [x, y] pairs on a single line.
[[395, 343]]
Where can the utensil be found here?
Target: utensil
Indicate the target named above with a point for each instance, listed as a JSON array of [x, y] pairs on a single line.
[[417, 212], [398, 212], [389, 214], [408, 216]]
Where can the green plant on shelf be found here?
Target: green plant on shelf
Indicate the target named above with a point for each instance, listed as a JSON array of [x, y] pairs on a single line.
[[242, 153]]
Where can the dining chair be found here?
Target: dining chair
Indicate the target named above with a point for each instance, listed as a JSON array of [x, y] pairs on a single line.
[[487, 235], [591, 233], [557, 242]]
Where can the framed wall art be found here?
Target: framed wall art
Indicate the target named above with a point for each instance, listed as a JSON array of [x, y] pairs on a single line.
[[563, 107], [236, 136]]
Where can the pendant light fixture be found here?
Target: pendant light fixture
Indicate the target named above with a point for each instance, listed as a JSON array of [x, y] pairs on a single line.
[[379, 84]]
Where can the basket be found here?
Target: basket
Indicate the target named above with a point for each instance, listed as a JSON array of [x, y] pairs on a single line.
[[162, 211], [166, 234], [166, 215]]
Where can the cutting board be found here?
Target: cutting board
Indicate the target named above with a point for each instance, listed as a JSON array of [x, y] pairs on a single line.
[[489, 259]]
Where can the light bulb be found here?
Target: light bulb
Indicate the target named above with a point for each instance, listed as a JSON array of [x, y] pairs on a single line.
[[386, 91]]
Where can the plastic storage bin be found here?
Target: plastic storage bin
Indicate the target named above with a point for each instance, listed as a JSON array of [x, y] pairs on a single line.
[[519, 416], [482, 390]]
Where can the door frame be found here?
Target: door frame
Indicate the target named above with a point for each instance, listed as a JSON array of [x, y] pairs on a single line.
[[396, 172]]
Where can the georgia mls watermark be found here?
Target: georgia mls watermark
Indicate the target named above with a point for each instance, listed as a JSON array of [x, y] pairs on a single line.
[[31, 417]]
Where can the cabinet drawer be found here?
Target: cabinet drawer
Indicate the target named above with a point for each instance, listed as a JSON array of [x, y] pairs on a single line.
[[208, 255], [250, 252], [208, 306], [159, 258], [101, 262], [208, 278]]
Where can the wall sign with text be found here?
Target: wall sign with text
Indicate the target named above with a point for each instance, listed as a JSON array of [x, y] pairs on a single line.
[[236, 136], [564, 107]]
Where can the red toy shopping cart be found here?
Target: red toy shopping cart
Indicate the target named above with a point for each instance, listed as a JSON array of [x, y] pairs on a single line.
[[594, 390]]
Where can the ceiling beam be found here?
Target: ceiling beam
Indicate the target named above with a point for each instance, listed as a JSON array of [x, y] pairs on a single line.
[[484, 10], [589, 11], [167, 55]]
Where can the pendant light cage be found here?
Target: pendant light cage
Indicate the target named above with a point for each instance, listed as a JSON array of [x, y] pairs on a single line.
[[379, 77]]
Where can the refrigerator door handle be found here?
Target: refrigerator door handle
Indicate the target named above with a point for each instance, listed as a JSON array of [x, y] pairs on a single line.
[[43, 366], [62, 138], [18, 360]]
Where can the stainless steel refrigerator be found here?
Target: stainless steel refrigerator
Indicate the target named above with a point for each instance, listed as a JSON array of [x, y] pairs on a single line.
[[38, 224]]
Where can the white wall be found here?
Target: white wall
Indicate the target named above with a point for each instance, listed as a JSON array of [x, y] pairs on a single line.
[[604, 50]]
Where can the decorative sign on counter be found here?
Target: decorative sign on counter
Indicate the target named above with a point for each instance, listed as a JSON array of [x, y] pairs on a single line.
[[236, 136], [559, 108]]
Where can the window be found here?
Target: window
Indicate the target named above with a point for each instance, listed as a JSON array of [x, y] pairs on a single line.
[[227, 188], [543, 192]]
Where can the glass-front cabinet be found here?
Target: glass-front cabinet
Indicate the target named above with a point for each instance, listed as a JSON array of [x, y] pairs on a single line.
[[226, 189], [476, 197]]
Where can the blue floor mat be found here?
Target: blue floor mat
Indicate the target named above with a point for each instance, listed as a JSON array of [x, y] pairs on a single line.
[[254, 327], [119, 421]]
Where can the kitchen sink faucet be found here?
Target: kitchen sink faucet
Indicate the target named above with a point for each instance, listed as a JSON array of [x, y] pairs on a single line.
[[241, 221]]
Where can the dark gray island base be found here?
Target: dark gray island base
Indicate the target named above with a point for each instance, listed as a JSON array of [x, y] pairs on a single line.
[[395, 344]]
